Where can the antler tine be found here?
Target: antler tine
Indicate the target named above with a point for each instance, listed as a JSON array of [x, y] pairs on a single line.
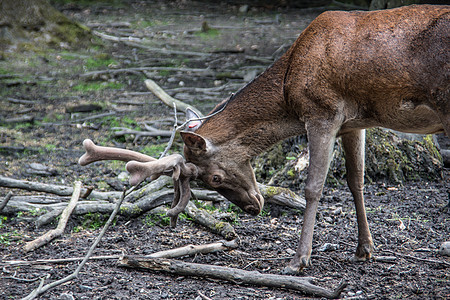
[[181, 200], [95, 153], [163, 166], [182, 175]]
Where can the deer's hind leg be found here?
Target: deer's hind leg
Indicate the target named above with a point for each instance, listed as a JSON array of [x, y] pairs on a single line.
[[354, 143]]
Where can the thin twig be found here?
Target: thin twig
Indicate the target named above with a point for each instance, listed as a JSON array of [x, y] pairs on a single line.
[[41, 289], [202, 118], [174, 131], [418, 258]]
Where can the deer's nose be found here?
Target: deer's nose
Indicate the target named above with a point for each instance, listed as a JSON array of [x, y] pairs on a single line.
[[256, 206], [252, 209]]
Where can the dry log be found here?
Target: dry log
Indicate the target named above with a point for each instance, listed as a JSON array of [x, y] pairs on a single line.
[[202, 217], [233, 275], [282, 196], [153, 133], [50, 235], [21, 119], [52, 188], [154, 194]]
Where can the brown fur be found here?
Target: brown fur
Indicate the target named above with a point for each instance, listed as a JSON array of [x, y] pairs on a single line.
[[347, 71]]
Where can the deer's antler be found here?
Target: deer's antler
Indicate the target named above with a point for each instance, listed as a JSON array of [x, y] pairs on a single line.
[[95, 153], [142, 166]]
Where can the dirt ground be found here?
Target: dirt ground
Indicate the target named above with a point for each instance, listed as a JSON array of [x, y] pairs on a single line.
[[408, 222]]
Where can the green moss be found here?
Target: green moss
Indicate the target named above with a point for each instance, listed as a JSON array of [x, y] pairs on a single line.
[[154, 150], [393, 159], [100, 61], [219, 226], [291, 173], [208, 34], [97, 86]]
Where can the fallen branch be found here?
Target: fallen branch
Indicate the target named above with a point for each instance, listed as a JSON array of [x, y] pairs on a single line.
[[138, 134], [234, 275], [195, 249], [5, 200], [167, 99], [59, 190], [282, 196], [50, 235], [95, 74], [138, 44], [202, 217]]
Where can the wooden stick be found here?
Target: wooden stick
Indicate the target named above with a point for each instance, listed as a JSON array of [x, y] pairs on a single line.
[[139, 44], [51, 188], [230, 274], [195, 249], [282, 196], [12, 263], [202, 217], [50, 235], [5, 200], [167, 99]]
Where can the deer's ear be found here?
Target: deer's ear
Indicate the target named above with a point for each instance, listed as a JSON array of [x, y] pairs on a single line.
[[193, 140], [194, 124]]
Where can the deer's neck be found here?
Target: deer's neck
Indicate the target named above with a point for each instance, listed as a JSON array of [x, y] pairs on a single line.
[[257, 116]]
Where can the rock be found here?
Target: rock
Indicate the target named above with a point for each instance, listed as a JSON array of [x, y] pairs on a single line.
[[444, 249], [243, 9], [40, 170], [328, 247], [66, 296]]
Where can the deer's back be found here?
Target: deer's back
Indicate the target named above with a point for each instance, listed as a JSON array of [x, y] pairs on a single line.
[[382, 68]]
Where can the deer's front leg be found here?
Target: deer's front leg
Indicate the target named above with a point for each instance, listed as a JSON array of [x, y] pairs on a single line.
[[320, 142], [354, 143]]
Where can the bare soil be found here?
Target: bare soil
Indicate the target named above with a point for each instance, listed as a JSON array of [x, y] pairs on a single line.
[[408, 222]]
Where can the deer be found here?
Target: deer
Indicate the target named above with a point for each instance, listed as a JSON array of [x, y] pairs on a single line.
[[346, 72]]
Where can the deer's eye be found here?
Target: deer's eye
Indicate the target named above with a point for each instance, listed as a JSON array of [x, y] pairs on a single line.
[[216, 179]]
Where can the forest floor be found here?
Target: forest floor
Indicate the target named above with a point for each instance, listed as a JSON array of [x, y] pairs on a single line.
[[408, 221]]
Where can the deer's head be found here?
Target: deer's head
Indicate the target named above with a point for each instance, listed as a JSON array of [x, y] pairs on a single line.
[[226, 171]]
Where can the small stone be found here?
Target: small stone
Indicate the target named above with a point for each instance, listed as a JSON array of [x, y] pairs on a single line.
[[328, 247], [445, 249], [243, 9], [290, 251], [123, 176], [66, 296]]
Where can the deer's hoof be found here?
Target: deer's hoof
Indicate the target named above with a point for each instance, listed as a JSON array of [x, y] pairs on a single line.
[[293, 268], [288, 270], [363, 252]]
